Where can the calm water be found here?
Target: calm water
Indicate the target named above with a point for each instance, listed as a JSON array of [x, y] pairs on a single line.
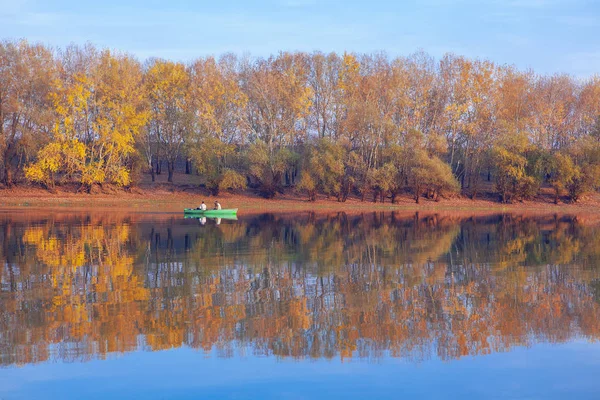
[[378, 305]]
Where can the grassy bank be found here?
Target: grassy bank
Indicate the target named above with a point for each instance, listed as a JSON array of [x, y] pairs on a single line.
[[174, 199]]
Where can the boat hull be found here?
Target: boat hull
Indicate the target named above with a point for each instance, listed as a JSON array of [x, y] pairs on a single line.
[[210, 213]]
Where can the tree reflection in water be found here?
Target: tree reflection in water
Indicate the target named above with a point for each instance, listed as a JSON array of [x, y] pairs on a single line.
[[414, 286]]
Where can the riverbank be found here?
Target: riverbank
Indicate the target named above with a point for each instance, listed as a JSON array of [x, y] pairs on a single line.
[[174, 199]]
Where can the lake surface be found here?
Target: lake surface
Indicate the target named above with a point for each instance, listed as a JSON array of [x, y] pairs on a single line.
[[373, 305]]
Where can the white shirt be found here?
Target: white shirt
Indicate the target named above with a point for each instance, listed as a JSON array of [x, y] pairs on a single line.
[[203, 207]]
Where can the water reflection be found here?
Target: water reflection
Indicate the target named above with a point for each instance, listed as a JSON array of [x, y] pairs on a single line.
[[414, 286]]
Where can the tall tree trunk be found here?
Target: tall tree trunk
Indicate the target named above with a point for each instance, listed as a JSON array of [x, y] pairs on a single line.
[[8, 176], [1, 115], [171, 168], [152, 172], [452, 153], [8, 158]]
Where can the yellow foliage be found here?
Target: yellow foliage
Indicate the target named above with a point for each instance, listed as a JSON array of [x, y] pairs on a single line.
[[99, 113], [93, 173], [232, 180]]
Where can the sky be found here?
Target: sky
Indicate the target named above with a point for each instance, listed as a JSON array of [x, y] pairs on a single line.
[[549, 36]]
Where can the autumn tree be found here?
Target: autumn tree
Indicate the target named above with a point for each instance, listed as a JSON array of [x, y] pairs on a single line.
[[278, 102], [26, 75], [323, 80], [267, 168], [425, 172], [122, 113], [323, 169], [99, 112], [512, 180], [219, 124], [171, 113], [554, 112], [278, 99], [586, 178], [562, 173]]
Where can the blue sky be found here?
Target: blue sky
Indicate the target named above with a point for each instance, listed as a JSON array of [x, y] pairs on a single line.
[[547, 35]]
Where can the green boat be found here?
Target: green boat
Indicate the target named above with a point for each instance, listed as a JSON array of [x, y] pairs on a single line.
[[210, 213], [224, 217]]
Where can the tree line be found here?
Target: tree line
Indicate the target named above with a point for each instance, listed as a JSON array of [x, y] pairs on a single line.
[[327, 124]]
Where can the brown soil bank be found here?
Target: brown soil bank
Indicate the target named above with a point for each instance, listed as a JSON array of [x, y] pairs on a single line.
[[172, 198]]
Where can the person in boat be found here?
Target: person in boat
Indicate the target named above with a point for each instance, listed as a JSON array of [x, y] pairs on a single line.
[[202, 206], [217, 205]]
